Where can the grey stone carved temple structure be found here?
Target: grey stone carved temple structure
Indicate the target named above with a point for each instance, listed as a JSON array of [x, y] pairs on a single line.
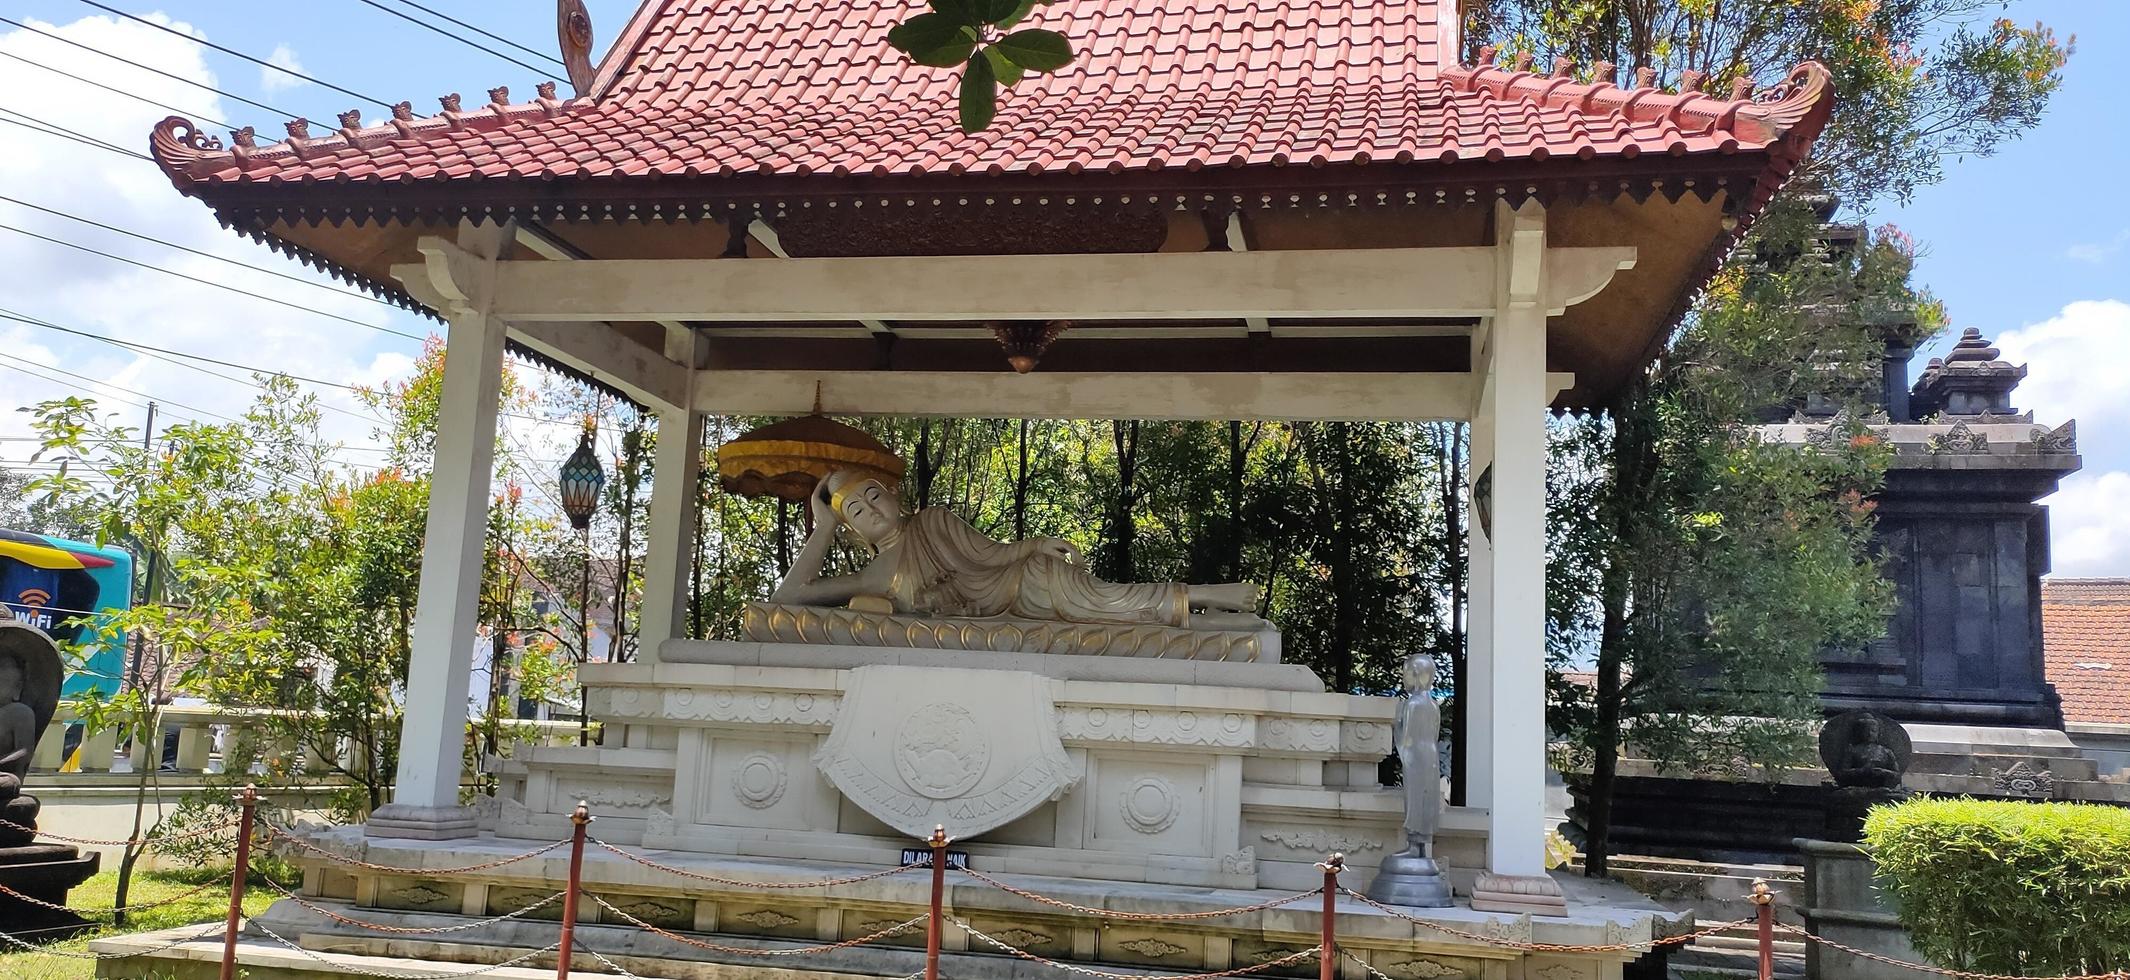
[[1965, 542]]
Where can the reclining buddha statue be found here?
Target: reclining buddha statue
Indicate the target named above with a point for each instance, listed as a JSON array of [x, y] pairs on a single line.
[[933, 564]]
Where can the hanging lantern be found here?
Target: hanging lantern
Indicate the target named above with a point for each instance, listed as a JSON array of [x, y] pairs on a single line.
[[787, 459], [582, 479]]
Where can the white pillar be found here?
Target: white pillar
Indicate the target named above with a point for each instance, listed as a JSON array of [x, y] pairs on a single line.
[[425, 798], [1514, 408], [1478, 697], [667, 562]]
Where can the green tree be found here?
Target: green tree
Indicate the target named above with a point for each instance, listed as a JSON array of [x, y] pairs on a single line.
[[1661, 503]]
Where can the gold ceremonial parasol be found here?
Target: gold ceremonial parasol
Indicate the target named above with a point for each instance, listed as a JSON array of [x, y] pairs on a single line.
[[787, 459]]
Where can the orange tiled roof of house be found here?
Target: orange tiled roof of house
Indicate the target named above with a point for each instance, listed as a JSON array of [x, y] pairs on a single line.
[[2085, 630]]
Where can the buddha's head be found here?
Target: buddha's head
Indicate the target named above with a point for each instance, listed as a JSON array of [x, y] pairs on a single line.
[[1419, 675], [865, 505]]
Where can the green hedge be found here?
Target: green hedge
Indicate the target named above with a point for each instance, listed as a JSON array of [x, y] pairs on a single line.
[[2031, 889]]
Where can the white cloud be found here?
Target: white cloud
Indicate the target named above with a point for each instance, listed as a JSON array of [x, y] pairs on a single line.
[[2089, 526], [284, 59], [82, 291], [2098, 253], [2073, 372]]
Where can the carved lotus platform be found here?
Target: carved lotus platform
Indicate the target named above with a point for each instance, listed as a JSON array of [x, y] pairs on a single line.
[[780, 623]]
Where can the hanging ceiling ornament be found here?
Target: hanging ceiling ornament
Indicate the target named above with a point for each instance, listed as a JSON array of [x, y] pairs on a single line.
[[787, 459], [582, 478], [1026, 340]]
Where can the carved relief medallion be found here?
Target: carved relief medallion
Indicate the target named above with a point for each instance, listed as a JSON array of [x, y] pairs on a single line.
[[1150, 805], [980, 761], [940, 752], [759, 780]]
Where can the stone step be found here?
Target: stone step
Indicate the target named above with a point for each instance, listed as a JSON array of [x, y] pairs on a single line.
[[1721, 956]]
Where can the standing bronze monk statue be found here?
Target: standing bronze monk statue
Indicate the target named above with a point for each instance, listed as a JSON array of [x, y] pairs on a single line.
[[934, 564]]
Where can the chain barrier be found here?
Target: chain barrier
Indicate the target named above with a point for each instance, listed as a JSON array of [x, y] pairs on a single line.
[[735, 882], [139, 842], [341, 966], [1137, 916], [1243, 971], [56, 907], [1926, 968], [752, 951], [1505, 943], [272, 832], [411, 930], [84, 954], [601, 957]]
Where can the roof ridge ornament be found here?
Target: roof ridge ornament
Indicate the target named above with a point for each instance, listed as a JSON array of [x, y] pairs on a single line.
[[573, 27]]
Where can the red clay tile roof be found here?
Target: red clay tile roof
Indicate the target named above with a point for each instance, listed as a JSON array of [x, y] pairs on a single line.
[[2085, 636], [794, 88]]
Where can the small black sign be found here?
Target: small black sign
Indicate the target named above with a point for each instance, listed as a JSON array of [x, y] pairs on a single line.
[[921, 857]]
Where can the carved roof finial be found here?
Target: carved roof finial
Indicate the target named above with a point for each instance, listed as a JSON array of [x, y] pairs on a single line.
[[1645, 77], [500, 95], [1486, 55], [403, 111], [247, 138], [1971, 348], [1691, 81], [351, 120], [545, 89], [1523, 61], [573, 28], [298, 128], [1742, 88], [449, 102], [1564, 67]]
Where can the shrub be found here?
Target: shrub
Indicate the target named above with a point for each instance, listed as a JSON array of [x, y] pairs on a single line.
[[2028, 889]]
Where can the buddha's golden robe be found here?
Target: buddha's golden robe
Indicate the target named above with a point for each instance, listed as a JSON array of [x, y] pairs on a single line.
[[944, 567]]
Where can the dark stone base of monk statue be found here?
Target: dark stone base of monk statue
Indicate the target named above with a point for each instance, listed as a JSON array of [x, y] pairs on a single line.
[[36, 873]]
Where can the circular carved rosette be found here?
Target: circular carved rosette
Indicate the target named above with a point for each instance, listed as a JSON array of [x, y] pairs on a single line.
[[759, 780], [940, 751], [1150, 805]]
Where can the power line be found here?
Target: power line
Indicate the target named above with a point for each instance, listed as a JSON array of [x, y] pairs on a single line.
[[136, 393], [158, 71], [261, 62], [411, 19], [493, 37], [158, 352], [201, 116], [208, 282], [36, 125], [205, 255], [33, 321], [6, 314]]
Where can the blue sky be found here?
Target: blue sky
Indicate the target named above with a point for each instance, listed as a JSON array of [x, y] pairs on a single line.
[[2032, 245]]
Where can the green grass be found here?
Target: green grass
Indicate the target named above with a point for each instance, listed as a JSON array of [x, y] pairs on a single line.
[[99, 892]]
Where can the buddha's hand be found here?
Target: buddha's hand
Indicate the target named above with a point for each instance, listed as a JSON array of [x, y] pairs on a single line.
[[1059, 549], [824, 506]]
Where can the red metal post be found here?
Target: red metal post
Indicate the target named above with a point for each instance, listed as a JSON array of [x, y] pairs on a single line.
[[248, 801], [582, 816], [939, 895], [1764, 903], [1328, 956]]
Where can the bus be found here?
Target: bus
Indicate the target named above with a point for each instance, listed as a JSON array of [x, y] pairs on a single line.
[[63, 587]]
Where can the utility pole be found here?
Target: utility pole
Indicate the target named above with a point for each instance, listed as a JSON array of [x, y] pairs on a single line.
[[147, 589]]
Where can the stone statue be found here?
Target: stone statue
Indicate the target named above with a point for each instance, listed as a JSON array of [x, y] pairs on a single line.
[[933, 563], [29, 692], [36, 876], [1864, 749], [1411, 877], [1865, 752]]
